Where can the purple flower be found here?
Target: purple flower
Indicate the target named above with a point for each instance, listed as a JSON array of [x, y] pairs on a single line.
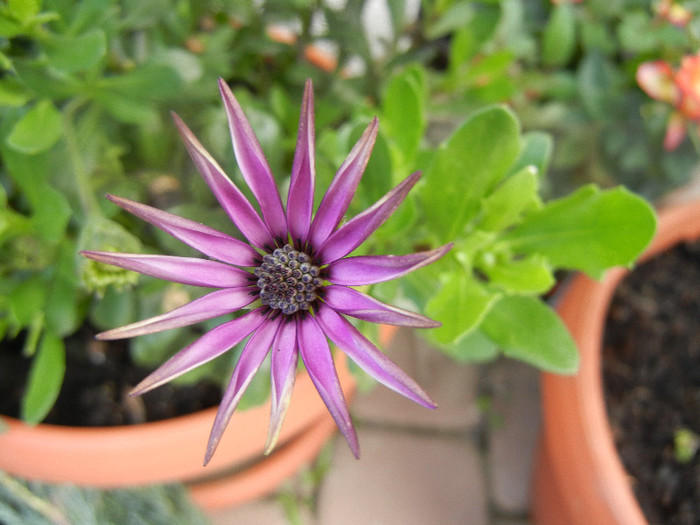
[[293, 275]]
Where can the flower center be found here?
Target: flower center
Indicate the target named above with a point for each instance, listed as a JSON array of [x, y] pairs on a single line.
[[288, 280]]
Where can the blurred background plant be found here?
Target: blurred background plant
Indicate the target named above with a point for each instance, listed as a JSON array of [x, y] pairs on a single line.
[[486, 97]]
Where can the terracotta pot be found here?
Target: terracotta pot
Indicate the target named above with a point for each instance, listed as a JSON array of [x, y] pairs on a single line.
[[579, 478], [173, 450]]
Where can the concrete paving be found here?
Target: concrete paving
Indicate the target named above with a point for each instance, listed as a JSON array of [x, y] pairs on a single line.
[[468, 462]]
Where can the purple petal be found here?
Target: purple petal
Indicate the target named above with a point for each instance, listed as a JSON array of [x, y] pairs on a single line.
[[212, 305], [283, 370], [207, 240], [212, 344], [351, 302], [253, 164], [248, 364], [300, 200], [369, 357], [185, 270], [319, 364], [229, 196], [372, 269], [339, 194], [356, 230]]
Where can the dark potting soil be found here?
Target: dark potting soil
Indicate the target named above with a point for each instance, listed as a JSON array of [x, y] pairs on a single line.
[[651, 370], [95, 389]]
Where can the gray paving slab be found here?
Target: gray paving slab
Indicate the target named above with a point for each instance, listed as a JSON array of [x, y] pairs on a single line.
[[404, 478]]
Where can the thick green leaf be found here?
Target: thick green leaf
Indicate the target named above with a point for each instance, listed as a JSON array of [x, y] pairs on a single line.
[[403, 112], [467, 167], [590, 230], [27, 300], [559, 38], [76, 53], [528, 275], [474, 347], [51, 214], [148, 82], [45, 378], [460, 304], [38, 130], [537, 152], [504, 206], [63, 309], [527, 329]]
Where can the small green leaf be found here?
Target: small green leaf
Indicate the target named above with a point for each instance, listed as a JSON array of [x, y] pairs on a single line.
[[537, 152], [590, 230], [38, 130], [467, 167], [559, 38], [12, 93], [474, 347], [527, 329], [45, 378], [529, 275], [504, 206], [403, 112], [460, 304], [63, 309], [76, 53], [27, 300], [51, 214]]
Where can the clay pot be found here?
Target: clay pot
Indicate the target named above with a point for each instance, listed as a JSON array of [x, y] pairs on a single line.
[[579, 478], [173, 450]]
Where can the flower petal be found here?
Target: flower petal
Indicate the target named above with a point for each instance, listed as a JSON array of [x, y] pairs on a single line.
[[207, 240], [212, 305], [300, 200], [185, 270], [351, 302], [369, 357], [248, 364], [675, 131], [229, 196], [339, 194], [283, 371], [212, 344], [356, 230], [372, 269], [253, 164], [657, 80], [318, 360]]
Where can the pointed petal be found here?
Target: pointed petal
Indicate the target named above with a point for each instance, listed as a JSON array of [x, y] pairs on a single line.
[[656, 79], [185, 270], [319, 364], [207, 240], [212, 305], [371, 269], [369, 357], [351, 302], [339, 194], [248, 364], [356, 230], [212, 344], [283, 371], [253, 164], [229, 196], [300, 200]]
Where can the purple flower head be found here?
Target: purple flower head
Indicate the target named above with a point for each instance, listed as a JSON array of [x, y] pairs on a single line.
[[293, 275]]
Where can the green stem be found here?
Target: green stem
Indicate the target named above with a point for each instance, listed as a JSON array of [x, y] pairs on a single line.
[[31, 500], [88, 201]]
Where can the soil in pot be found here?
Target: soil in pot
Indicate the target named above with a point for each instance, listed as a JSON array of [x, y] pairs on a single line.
[[95, 390], [651, 369]]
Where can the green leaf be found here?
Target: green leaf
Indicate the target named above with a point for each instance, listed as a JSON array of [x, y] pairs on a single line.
[[590, 230], [38, 130], [529, 275], [467, 167], [559, 37], [598, 82], [474, 347], [527, 329], [504, 206], [76, 53], [45, 378], [537, 152], [51, 214], [27, 300], [460, 305], [63, 309], [404, 113], [12, 93], [148, 82]]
